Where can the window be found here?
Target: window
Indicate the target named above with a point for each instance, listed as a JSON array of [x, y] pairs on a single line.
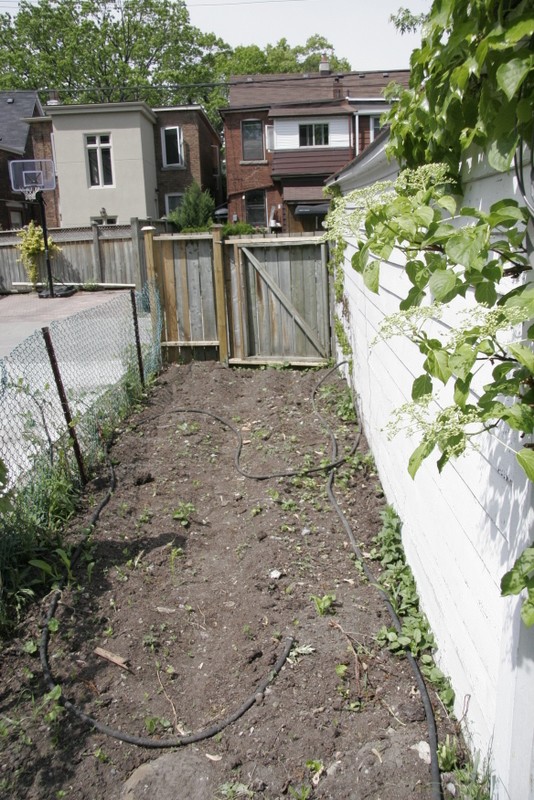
[[313, 135], [172, 202], [252, 138], [103, 220], [255, 207], [374, 128], [99, 159], [172, 146]]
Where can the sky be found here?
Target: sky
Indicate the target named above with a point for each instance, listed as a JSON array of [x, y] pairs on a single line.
[[358, 30]]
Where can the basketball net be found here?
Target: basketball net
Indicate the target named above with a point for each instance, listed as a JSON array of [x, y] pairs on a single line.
[[30, 192]]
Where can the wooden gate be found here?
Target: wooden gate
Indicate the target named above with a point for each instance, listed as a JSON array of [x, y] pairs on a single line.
[[278, 308], [252, 300]]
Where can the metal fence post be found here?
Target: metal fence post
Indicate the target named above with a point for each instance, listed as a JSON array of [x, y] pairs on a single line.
[[64, 402], [137, 339]]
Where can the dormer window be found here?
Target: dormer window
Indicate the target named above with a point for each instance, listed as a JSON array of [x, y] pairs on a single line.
[[313, 135], [252, 139]]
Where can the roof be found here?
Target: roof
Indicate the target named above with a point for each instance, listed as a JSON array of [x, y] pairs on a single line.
[[264, 91], [138, 106], [15, 107]]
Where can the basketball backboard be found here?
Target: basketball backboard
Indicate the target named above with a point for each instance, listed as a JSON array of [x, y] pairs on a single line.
[[30, 177]]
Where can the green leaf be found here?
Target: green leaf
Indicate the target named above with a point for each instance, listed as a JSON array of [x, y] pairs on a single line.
[[525, 27], [526, 461], [424, 215], [371, 276], [356, 261], [449, 203], [418, 456], [527, 610], [523, 354], [486, 293], [511, 75], [441, 283], [421, 386], [437, 364], [464, 246], [414, 298], [461, 390], [516, 579], [501, 151]]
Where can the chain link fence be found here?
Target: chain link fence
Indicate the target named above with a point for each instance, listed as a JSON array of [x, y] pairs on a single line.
[[62, 393]]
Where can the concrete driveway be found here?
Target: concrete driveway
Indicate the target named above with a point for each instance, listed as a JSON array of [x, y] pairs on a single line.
[[22, 314]]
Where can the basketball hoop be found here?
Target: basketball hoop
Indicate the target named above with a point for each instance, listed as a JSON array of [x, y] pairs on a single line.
[[32, 178]]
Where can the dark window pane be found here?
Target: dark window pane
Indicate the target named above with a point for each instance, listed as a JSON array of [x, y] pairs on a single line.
[[106, 167], [94, 176], [255, 208], [91, 140], [305, 135], [252, 132], [172, 151], [104, 139]]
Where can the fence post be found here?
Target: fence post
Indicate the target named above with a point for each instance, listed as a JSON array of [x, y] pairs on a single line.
[[148, 231], [135, 232], [97, 256], [220, 300], [137, 339], [64, 403]]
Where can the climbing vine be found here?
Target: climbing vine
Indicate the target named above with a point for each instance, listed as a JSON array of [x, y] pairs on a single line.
[[471, 86]]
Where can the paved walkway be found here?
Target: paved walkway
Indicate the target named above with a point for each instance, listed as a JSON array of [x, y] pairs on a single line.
[[22, 314]]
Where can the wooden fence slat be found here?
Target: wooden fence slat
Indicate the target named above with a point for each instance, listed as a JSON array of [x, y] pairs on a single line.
[[220, 304], [182, 260], [171, 317]]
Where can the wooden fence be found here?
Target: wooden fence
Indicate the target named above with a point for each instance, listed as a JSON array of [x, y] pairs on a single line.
[[256, 299], [100, 254]]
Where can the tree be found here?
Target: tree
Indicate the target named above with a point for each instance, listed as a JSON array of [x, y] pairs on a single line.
[[195, 211], [92, 51]]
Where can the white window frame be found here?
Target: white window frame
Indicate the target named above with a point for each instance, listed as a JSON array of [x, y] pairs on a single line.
[[269, 138], [313, 125], [98, 147], [180, 145], [168, 209]]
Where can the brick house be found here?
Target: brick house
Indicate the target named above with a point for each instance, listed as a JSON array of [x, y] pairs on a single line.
[[286, 134], [115, 161], [17, 109]]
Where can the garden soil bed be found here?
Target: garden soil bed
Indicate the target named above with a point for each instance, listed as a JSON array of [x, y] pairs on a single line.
[[198, 578]]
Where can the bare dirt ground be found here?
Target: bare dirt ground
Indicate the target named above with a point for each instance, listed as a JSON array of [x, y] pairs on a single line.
[[200, 578]]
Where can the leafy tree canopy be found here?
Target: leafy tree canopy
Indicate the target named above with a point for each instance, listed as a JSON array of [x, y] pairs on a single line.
[[472, 81], [92, 51]]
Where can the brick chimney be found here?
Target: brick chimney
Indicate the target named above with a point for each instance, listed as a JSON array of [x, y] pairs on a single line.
[[324, 66]]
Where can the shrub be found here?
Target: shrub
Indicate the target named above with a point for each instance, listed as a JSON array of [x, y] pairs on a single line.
[[196, 211]]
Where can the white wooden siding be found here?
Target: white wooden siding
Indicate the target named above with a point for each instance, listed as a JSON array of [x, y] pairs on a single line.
[[286, 131], [462, 529]]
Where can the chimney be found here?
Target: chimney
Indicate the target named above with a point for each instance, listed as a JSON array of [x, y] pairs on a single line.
[[324, 66]]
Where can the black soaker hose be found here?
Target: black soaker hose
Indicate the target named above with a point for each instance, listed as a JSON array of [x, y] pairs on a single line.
[[218, 727], [437, 791]]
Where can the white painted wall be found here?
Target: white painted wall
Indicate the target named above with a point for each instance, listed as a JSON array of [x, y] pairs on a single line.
[[133, 158], [286, 131], [463, 529]]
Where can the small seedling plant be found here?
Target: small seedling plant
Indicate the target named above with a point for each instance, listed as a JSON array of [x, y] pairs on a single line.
[[183, 513], [324, 605]]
